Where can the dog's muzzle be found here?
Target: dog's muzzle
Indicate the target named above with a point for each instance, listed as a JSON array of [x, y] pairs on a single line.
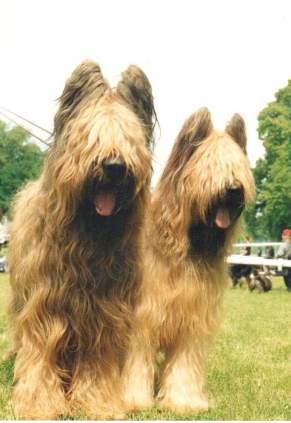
[[208, 236], [229, 208], [114, 170], [116, 188]]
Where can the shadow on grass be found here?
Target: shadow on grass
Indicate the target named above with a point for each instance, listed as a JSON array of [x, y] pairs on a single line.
[[6, 371], [157, 413], [6, 384]]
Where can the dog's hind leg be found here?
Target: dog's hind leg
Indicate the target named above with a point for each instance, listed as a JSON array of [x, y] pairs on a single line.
[[182, 382]]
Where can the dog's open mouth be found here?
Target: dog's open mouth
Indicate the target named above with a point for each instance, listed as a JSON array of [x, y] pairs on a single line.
[[209, 235], [115, 190], [222, 218], [227, 209], [105, 203], [108, 199], [105, 207], [111, 193]]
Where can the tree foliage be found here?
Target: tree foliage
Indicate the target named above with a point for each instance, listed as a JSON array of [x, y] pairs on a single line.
[[272, 210], [20, 161]]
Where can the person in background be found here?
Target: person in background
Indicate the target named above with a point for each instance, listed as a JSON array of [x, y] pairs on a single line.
[[284, 251], [269, 252], [246, 250]]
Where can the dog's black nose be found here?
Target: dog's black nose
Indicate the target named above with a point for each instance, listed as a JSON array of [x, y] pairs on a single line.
[[114, 169]]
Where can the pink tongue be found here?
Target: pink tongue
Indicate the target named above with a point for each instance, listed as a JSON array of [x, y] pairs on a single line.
[[222, 218], [105, 203]]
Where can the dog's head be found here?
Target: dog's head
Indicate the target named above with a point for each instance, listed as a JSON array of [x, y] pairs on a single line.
[[211, 181], [101, 157]]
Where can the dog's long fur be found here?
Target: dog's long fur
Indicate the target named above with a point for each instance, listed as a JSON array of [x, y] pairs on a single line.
[[180, 299], [74, 273]]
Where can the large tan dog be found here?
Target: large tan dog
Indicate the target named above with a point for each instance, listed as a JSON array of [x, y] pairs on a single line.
[[75, 249], [195, 212]]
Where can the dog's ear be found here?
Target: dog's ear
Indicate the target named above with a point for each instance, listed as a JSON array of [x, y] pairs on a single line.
[[135, 89], [196, 128], [237, 130], [85, 81]]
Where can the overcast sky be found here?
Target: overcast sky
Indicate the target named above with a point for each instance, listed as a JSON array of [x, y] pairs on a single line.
[[228, 55]]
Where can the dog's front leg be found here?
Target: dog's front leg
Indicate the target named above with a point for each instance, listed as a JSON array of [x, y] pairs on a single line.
[[138, 373], [182, 382], [39, 392], [95, 391]]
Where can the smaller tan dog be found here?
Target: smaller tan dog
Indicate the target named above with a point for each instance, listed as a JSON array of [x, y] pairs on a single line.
[[194, 217]]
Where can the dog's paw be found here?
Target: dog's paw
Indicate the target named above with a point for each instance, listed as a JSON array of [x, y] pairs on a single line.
[[138, 402], [184, 405]]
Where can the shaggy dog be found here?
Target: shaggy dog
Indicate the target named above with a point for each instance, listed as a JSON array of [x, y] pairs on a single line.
[[260, 280], [75, 248], [194, 215], [255, 276], [238, 271]]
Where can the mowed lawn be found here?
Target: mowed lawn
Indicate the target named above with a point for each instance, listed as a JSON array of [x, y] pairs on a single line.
[[249, 366]]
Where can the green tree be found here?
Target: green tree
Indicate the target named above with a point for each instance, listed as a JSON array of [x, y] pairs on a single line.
[[272, 210], [20, 161]]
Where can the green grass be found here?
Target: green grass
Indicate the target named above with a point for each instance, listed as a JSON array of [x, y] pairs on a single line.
[[249, 367], [6, 365]]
